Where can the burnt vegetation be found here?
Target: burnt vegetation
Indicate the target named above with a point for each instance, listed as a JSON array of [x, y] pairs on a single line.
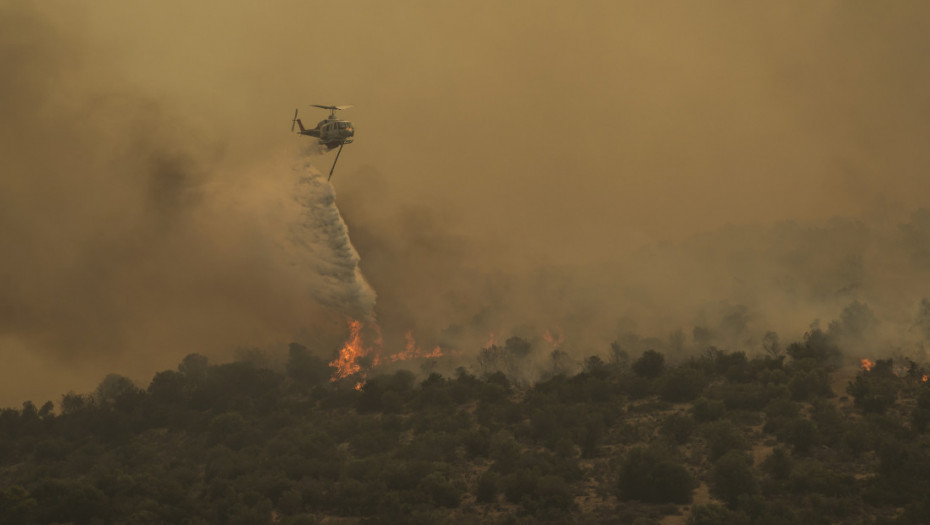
[[781, 438]]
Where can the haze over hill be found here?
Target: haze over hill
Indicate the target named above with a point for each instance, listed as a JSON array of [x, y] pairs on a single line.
[[595, 169]]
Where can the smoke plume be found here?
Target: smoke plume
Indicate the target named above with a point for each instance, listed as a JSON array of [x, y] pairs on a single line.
[[129, 237], [660, 177]]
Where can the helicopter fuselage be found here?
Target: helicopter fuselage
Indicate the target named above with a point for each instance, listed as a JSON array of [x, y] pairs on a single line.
[[331, 132]]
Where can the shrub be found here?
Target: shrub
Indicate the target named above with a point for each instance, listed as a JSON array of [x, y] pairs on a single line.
[[705, 410], [678, 428], [818, 347], [873, 393], [782, 408], [807, 384], [440, 490], [743, 396], [801, 435], [723, 437], [648, 475], [488, 487], [681, 385], [714, 514], [778, 464], [733, 477], [650, 365]]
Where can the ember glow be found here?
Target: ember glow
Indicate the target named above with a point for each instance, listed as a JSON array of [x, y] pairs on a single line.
[[866, 364]]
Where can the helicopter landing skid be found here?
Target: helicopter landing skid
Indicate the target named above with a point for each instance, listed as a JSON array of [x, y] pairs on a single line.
[[335, 161]]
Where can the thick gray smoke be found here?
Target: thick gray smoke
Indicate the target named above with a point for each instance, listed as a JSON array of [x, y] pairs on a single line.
[[147, 207], [863, 279], [131, 238]]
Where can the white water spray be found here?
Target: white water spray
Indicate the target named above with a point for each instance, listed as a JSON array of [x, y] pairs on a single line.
[[321, 245]]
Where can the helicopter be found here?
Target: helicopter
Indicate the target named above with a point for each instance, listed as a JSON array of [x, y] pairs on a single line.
[[331, 132]]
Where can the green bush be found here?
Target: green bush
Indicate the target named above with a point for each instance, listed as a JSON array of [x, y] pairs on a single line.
[[488, 487], [873, 393], [649, 365], [778, 464], [705, 410], [714, 514], [733, 477], [806, 385], [678, 428], [651, 476], [722, 437], [682, 384]]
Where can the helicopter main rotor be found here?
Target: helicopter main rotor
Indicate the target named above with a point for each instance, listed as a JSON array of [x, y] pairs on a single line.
[[332, 109]]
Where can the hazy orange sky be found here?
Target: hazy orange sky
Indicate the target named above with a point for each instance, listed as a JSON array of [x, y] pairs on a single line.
[[576, 127], [493, 138]]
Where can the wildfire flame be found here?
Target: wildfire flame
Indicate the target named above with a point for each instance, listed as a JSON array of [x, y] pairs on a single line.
[[412, 351], [492, 340], [347, 362], [555, 341], [868, 364]]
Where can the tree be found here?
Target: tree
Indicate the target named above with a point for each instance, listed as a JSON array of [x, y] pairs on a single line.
[[872, 392], [722, 437], [733, 477], [168, 387], [678, 427], [118, 392], [194, 366], [714, 514], [488, 487], [304, 367], [817, 346], [682, 384], [705, 410], [778, 464], [17, 506], [648, 475], [649, 365], [72, 403], [770, 345]]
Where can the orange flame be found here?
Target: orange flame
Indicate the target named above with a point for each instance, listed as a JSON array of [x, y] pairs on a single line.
[[412, 351], [492, 340], [924, 378], [866, 364], [347, 362], [555, 341]]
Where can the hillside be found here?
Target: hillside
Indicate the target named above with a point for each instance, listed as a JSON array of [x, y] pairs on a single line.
[[788, 437]]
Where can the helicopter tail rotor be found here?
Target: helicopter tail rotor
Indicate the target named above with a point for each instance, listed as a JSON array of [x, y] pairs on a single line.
[[293, 122]]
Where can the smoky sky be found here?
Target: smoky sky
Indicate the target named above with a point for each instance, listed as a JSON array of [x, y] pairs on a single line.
[[587, 166]]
